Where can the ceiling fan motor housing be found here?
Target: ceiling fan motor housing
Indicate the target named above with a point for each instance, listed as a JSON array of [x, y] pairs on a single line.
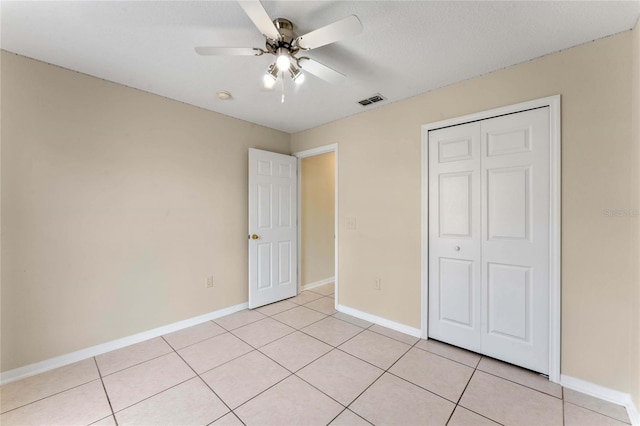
[[287, 37]]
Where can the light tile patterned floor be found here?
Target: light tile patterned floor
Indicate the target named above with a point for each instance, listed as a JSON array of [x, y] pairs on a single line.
[[296, 362]]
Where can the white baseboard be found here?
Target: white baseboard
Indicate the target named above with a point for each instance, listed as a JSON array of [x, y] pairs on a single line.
[[402, 328], [606, 394], [70, 358], [317, 283]]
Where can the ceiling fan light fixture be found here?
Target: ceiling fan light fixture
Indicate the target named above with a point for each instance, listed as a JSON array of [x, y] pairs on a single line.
[[268, 81], [270, 77], [283, 59], [283, 43], [296, 74]]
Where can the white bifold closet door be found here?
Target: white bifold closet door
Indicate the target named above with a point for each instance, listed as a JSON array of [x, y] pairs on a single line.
[[489, 237]]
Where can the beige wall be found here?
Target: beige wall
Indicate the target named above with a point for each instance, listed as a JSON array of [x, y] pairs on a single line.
[[116, 206], [635, 197], [379, 184], [318, 218]]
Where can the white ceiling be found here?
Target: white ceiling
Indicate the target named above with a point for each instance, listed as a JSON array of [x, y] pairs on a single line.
[[406, 48]]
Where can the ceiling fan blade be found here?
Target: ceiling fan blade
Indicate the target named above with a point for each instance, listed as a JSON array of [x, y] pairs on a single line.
[[226, 51], [259, 16], [331, 33], [322, 71]]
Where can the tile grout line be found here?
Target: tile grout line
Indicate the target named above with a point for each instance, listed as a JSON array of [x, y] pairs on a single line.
[[462, 394], [594, 411], [206, 371], [243, 325], [249, 344], [261, 392], [457, 404], [199, 341], [279, 312], [298, 377], [353, 412], [137, 363], [378, 378], [421, 387], [268, 343], [155, 394], [519, 384], [397, 340], [297, 328], [401, 378], [104, 388], [294, 374], [257, 349], [170, 387], [464, 390], [203, 381], [206, 384], [49, 396], [224, 415], [338, 415], [198, 375], [352, 323], [493, 374], [450, 359], [368, 362]]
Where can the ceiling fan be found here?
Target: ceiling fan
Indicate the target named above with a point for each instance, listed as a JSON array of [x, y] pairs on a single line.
[[285, 45]]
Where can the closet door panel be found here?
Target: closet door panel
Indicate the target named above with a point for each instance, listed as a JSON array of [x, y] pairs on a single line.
[[454, 235], [515, 238]]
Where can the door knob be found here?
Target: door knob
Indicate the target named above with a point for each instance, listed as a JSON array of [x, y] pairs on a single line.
[[457, 248], [254, 236]]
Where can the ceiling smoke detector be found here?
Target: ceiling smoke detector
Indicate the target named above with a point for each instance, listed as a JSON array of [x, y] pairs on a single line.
[[223, 95]]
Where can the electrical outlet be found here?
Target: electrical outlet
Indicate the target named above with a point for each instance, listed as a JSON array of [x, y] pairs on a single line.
[[351, 223], [377, 283], [209, 282]]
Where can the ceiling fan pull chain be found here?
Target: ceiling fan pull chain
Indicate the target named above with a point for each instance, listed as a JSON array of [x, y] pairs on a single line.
[[282, 80]]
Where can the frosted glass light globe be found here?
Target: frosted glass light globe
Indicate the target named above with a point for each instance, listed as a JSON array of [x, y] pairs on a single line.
[[283, 61], [269, 81]]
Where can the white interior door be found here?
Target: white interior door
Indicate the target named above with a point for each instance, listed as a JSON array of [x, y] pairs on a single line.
[[515, 238], [272, 227], [489, 196], [454, 235]]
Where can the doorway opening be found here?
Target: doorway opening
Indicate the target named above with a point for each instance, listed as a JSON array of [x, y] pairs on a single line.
[[317, 218]]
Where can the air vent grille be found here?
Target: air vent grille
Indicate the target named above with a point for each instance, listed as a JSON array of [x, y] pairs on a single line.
[[372, 100]]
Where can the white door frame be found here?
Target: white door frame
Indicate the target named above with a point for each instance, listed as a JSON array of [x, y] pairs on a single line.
[[553, 102], [310, 153]]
